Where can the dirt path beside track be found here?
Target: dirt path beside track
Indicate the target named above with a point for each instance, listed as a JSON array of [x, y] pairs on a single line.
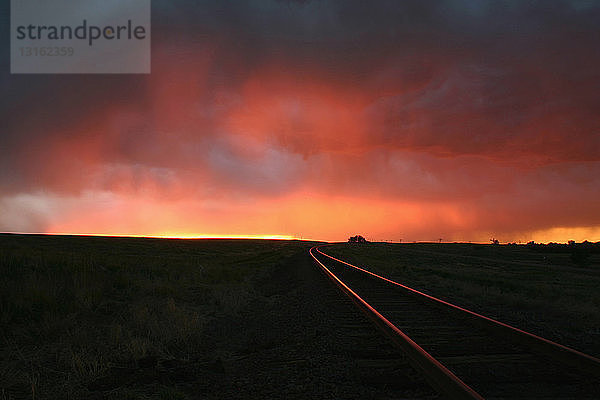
[[300, 338]]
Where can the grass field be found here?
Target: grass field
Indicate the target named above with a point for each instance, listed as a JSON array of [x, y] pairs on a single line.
[[134, 318], [543, 292], [86, 314]]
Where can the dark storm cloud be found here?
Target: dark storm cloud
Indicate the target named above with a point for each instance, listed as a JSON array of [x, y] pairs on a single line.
[[518, 56]]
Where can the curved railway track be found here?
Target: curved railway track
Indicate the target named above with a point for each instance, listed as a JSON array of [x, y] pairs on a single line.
[[465, 355]]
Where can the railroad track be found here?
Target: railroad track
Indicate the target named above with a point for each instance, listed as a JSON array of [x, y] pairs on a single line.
[[465, 355]]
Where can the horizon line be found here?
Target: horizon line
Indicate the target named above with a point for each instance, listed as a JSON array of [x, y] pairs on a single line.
[[169, 236], [262, 237]]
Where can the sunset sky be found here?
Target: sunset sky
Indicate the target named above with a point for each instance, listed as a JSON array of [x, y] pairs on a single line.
[[416, 120]]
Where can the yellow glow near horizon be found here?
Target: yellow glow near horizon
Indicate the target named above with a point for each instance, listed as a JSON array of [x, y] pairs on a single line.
[[564, 234], [172, 235], [194, 236], [555, 235]]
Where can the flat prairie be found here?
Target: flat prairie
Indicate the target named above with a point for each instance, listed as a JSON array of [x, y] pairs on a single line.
[[85, 315], [144, 318], [541, 289]]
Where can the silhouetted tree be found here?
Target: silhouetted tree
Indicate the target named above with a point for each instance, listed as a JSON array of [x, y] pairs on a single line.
[[357, 239]]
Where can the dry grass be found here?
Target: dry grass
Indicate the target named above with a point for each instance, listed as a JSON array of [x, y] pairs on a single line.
[[75, 310], [545, 293]]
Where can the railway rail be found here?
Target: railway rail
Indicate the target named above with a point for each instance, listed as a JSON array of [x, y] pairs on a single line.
[[464, 355]]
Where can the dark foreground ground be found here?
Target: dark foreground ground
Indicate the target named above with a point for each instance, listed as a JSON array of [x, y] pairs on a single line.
[[126, 318], [116, 318], [552, 291]]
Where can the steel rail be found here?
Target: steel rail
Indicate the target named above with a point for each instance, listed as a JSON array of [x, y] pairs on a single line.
[[581, 361], [440, 377]]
